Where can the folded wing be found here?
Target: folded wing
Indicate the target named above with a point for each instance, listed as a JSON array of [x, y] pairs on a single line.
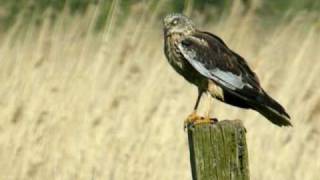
[[214, 60], [209, 55]]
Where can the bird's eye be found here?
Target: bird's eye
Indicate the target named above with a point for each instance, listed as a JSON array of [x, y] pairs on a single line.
[[175, 22]]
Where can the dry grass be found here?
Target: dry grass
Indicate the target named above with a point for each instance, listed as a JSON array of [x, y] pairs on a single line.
[[82, 105]]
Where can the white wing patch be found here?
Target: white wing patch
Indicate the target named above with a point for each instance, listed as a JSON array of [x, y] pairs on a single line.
[[227, 79], [235, 80]]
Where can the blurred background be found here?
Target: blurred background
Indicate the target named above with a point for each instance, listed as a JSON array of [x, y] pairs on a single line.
[[86, 92]]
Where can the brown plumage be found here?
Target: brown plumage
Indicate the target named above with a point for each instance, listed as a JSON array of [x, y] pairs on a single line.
[[204, 60]]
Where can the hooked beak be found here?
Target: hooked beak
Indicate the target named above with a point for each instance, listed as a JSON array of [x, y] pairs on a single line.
[[166, 32]]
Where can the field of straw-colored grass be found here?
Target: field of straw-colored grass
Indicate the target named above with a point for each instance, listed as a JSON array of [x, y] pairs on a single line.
[[81, 104]]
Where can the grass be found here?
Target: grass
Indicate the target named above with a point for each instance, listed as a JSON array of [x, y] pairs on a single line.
[[77, 104]]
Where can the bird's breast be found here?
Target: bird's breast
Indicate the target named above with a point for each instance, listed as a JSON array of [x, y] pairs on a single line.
[[173, 54], [180, 64]]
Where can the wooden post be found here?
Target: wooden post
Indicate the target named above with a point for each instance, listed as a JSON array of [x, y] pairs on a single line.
[[218, 151]]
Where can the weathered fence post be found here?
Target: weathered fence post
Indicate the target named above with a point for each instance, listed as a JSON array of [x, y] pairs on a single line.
[[218, 151]]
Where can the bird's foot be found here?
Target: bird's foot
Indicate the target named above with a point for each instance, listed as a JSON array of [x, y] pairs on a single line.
[[206, 120], [191, 119], [194, 119]]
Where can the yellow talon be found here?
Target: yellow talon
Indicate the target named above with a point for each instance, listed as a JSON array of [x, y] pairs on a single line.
[[191, 119], [194, 119], [205, 120]]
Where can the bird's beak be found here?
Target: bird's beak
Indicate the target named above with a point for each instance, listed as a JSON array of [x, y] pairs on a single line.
[[165, 31]]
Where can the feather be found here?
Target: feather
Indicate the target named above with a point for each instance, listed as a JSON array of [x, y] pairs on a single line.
[[215, 61]]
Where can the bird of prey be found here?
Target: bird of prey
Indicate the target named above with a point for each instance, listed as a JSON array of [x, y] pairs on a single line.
[[204, 60]]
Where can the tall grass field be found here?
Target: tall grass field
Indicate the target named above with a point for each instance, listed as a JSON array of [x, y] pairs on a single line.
[[82, 104]]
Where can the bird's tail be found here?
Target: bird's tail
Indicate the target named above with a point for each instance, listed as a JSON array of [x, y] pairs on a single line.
[[272, 110]]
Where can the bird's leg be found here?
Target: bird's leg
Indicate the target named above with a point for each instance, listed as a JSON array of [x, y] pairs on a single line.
[[200, 92], [209, 104], [193, 117], [207, 119]]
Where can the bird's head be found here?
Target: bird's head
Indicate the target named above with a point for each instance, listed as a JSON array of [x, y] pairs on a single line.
[[177, 23]]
